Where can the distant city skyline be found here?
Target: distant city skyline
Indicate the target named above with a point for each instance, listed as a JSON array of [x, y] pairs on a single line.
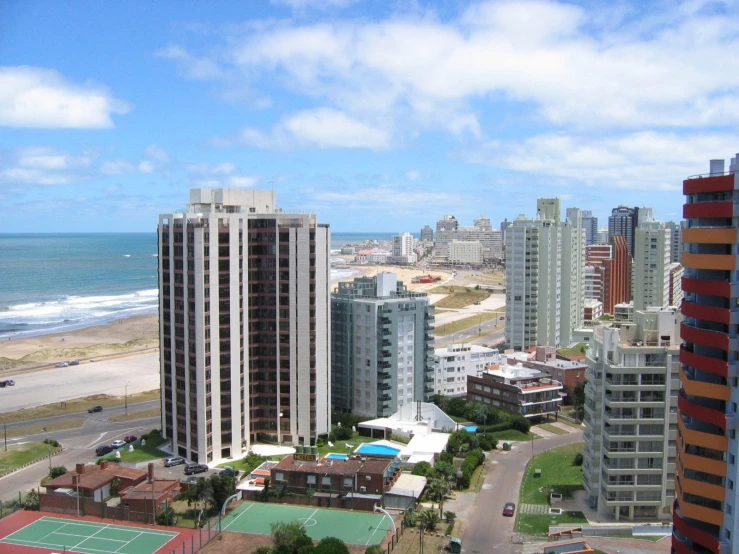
[[375, 116]]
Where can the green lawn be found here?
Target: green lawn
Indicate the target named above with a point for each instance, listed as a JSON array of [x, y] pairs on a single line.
[[577, 350], [339, 447], [141, 453], [558, 475], [459, 297], [513, 435], [18, 456], [463, 324], [552, 429], [537, 524]]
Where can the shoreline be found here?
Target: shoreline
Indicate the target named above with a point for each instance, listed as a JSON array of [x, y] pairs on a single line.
[[129, 335]]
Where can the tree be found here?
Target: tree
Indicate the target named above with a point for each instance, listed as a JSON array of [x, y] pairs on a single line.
[[578, 459], [32, 501], [410, 518], [57, 471], [445, 469], [429, 519], [222, 486], [331, 545], [578, 400], [456, 406], [252, 461], [450, 516], [374, 549], [115, 487], [422, 468], [166, 516], [439, 487], [477, 412], [290, 538]]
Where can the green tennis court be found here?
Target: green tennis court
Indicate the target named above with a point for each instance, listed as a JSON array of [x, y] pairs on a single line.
[[88, 538], [350, 527]]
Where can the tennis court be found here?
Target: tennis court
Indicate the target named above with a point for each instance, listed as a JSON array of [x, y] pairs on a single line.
[[87, 537], [350, 527]]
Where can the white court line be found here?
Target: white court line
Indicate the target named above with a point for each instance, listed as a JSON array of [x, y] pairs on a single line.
[[88, 538], [129, 542], [111, 526], [375, 531], [47, 545], [237, 517], [54, 531], [85, 537]]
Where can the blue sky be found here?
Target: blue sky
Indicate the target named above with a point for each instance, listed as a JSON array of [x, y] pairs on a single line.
[[377, 116]]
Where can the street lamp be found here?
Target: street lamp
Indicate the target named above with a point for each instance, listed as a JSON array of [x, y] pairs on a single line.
[[48, 444], [126, 397], [279, 429]]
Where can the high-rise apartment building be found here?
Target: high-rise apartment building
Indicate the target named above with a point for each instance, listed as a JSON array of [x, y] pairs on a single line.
[[706, 510], [243, 323], [447, 223], [602, 236], [676, 241], [630, 421], [382, 346], [617, 276], [651, 279], [403, 249], [427, 234], [483, 223], [541, 254], [622, 222], [589, 224]]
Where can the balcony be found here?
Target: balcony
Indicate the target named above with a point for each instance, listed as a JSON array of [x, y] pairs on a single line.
[[708, 210], [692, 532], [704, 363], [707, 337], [702, 413]]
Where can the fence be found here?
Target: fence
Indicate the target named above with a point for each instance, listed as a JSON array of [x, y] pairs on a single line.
[[203, 536]]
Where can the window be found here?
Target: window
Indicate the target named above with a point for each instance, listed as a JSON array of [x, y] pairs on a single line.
[[326, 481], [348, 481], [311, 480], [279, 476]]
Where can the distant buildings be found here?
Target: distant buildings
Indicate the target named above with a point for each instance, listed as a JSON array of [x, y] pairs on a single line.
[[465, 252], [545, 278], [707, 471], [676, 241], [448, 231], [630, 421], [624, 222], [382, 346], [244, 324], [454, 363], [447, 223], [651, 282], [403, 249], [517, 390], [608, 269], [427, 234]]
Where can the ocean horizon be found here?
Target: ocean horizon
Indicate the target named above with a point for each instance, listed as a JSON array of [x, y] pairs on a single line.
[[59, 282]]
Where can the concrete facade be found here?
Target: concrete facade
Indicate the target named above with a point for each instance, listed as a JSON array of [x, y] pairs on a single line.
[[651, 268], [454, 363]]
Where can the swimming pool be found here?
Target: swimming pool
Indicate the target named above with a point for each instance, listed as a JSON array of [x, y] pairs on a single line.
[[334, 456], [378, 450], [470, 428]]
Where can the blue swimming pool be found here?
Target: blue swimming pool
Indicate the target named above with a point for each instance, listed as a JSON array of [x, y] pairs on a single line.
[[470, 428], [333, 456], [378, 450]]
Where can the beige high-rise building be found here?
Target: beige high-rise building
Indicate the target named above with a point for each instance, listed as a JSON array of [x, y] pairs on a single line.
[[244, 324], [651, 269]]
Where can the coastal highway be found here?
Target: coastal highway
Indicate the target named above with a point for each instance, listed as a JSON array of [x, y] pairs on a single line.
[[35, 388], [79, 444]]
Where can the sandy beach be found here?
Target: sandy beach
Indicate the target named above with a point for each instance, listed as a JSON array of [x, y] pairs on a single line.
[[131, 335]]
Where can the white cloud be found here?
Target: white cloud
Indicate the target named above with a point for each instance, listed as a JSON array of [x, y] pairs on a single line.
[[146, 166], [43, 98], [319, 128], [642, 161], [192, 67], [554, 62], [320, 4], [223, 169], [388, 199], [414, 175], [158, 153], [117, 167], [242, 181]]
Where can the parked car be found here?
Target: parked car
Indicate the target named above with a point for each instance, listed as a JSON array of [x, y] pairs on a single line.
[[509, 509], [103, 450], [10, 382], [130, 438], [191, 469], [118, 443], [176, 461], [74, 362], [2, 384], [95, 409], [231, 472], [61, 364]]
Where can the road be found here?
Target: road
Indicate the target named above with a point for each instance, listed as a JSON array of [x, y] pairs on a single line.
[[486, 529], [35, 388]]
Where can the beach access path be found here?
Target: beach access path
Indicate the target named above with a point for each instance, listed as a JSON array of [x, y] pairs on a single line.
[[35, 388]]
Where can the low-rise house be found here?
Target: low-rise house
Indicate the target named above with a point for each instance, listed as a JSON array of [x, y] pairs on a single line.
[[94, 481], [516, 389]]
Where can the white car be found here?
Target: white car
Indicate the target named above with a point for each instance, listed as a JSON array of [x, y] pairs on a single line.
[[61, 364], [118, 443]]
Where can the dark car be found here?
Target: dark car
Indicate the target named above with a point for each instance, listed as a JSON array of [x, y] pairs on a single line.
[[509, 509], [178, 460], [130, 438], [10, 383], [192, 469], [2, 384], [103, 450], [74, 362], [95, 409], [231, 472]]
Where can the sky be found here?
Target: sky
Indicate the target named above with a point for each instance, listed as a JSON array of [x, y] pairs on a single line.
[[376, 115]]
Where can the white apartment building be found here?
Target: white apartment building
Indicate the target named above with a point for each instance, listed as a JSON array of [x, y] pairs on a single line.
[[454, 363], [403, 249], [491, 240], [243, 324], [465, 252], [651, 268], [630, 416], [541, 255]]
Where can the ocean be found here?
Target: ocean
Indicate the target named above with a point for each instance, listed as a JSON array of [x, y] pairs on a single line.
[[53, 283]]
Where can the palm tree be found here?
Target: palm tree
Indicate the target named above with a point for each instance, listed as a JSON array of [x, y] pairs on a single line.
[[439, 487], [429, 519]]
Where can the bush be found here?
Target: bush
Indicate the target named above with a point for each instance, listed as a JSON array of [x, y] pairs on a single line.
[[422, 468], [341, 434], [578, 459], [374, 549], [450, 516], [57, 471], [32, 500], [331, 545], [449, 529], [447, 457], [51, 442], [166, 516], [410, 518], [521, 424]]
